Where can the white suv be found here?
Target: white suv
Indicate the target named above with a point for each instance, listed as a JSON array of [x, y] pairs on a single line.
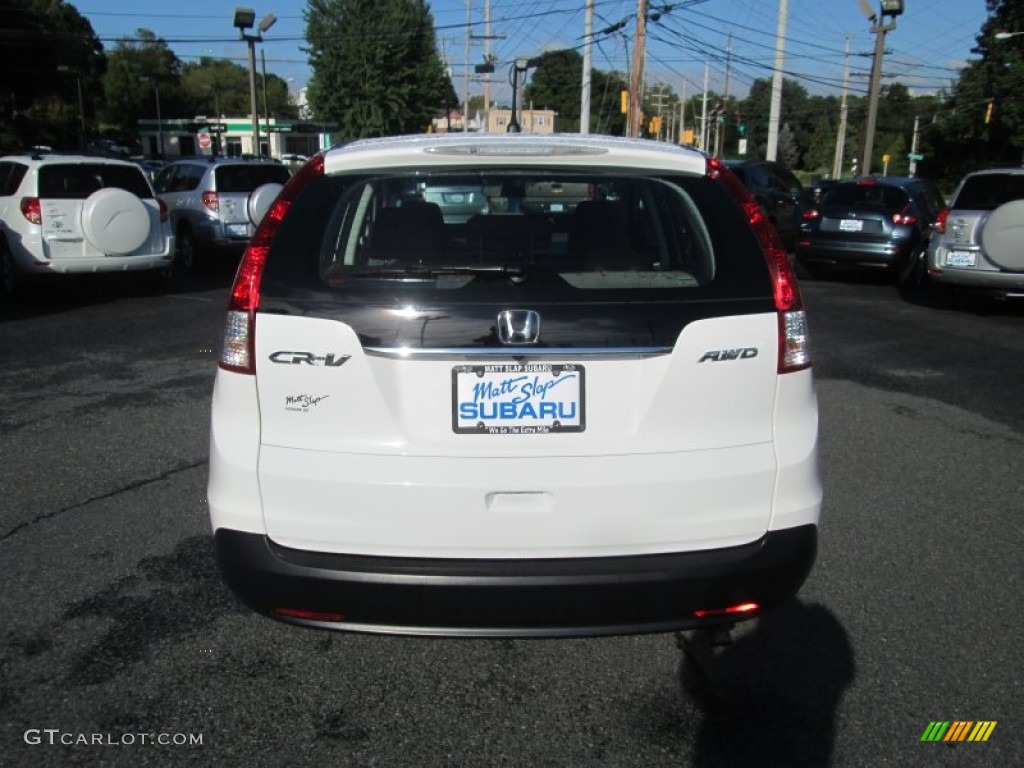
[[71, 214], [590, 421]]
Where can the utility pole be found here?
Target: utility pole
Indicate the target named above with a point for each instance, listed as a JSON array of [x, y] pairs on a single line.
[[588, 41], [465, 81], [837, 163], [636, 80], [913, 145], [266, 104], [776, 107], [880, 29], [720, 144], [487, 60], [704, 114]]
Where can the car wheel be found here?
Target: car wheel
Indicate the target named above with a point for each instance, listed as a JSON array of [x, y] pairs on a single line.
[[912, 274], [188, 250]]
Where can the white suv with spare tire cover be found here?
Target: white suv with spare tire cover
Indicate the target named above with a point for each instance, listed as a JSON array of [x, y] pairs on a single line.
[[79, 214], [598, 419]]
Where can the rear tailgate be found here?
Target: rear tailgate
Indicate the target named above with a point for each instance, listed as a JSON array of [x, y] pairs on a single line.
[[360, 452]]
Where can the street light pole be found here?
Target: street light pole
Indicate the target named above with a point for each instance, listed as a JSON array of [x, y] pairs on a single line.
[[244, 19]]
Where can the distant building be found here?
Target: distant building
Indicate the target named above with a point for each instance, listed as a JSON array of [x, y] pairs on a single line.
[[530, 120], [186, 137]]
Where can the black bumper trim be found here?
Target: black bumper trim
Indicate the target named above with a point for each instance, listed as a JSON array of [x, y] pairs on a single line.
[[516, 598]]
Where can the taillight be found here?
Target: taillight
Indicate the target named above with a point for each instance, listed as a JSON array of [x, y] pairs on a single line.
[[163, 209], [740, 608], [940, 221], [31, 210], [904, 217], [210, 201], [810, 213], [794, 346], [238, 351]]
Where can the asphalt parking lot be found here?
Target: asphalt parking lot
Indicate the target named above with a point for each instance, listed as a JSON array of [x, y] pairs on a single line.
[[116, 622]]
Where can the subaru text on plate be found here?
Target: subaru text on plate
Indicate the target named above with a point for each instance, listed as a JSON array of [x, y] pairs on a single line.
[[590, 421]]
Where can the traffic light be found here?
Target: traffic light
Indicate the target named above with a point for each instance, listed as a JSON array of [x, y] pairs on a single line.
[[743, 129], [625, 102], [988, 112]]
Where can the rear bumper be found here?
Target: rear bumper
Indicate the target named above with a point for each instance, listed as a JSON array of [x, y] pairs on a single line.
[[880, 255], [988, 280], [515, 598]]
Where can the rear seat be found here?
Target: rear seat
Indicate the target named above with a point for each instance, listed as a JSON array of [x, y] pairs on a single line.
[[497, 238]]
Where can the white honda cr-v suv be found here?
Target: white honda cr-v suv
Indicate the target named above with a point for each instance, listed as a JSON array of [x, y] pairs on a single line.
[[540, 421]]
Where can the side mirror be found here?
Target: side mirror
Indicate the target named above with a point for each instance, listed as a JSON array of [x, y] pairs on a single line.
[[260, 201]]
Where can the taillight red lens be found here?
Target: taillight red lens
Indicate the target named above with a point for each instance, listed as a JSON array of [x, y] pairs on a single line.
[[238, 352], [163, 209], [794, 352], [31, 210], [810, 213], [940, 221], [303, 613], [210, 201], [740, 608]]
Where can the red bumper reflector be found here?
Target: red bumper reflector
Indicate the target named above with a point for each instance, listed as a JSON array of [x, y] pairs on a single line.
[[302, 613], [740, 608]]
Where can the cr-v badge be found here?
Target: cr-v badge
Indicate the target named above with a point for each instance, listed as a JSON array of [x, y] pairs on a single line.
[[295, 358], [518, 326]]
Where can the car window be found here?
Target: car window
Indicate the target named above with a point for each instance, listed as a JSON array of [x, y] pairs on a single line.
[[11, 174], [76, 181], [163, 181], [866, 195], [245, 178], [785, 180], [988, 191], [677, 235], [187, 177]]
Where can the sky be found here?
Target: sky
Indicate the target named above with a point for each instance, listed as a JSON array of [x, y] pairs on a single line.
[[932, 39]]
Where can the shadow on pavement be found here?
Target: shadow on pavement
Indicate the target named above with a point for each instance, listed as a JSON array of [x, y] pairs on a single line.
[[64, 294], [777, 692]]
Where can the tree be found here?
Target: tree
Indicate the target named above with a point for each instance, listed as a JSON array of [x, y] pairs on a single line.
[[48, 51], [555, 84], [376, 70], [788, 150], [210, 85], [969, 134], [137, 69], [820, 154]]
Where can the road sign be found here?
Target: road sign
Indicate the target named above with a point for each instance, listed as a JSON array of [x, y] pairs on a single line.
[[204, 140], [914, 156], [217, 128]]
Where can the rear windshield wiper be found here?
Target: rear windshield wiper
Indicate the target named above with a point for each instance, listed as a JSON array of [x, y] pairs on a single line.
[[426, 272]]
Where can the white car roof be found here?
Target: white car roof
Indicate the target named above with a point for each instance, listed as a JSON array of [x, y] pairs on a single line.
[[504, 149]]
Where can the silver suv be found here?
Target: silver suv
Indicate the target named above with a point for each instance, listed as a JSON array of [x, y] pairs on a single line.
[[976, 242], [78, 214], [210, 202]]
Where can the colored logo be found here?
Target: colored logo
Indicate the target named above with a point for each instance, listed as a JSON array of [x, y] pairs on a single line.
[[958, 730]]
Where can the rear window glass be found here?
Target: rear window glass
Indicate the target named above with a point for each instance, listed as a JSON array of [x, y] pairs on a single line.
[[559, 236], [988, 191], [866, 195], [78, 181], [245, 178]]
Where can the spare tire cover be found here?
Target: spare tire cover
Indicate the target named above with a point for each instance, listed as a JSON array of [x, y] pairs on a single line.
[[1002, 236], [115, 221], [260, 201]]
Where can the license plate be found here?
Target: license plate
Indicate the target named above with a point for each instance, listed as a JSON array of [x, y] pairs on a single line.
[[961, 258], [851, 225], [454, 198], [556, 208], [237, 230], [518, 399]]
